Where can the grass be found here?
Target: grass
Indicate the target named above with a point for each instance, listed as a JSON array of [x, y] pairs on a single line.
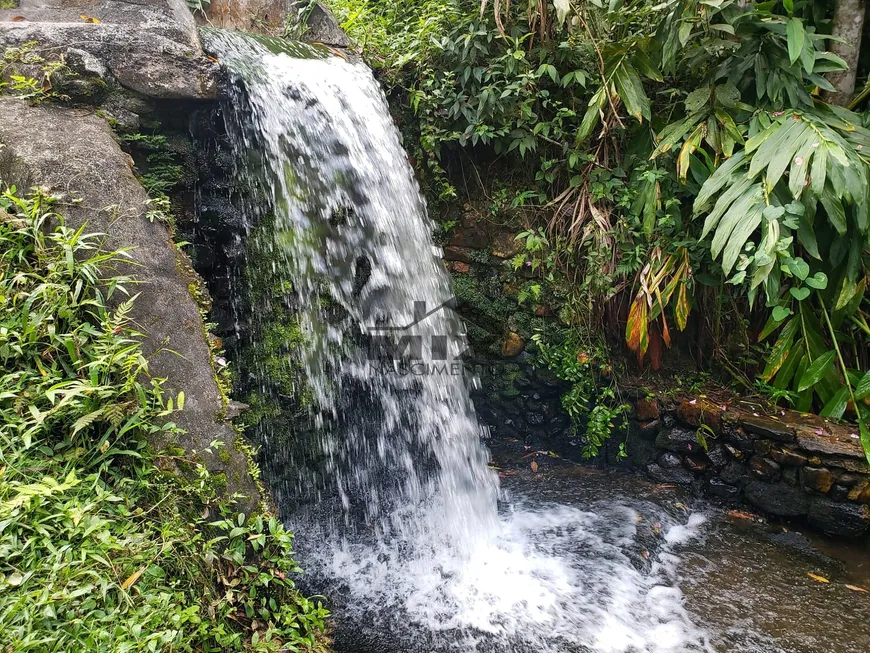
[[104, 543]]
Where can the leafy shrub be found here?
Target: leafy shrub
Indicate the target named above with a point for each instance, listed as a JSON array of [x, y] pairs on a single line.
[[105, 544]]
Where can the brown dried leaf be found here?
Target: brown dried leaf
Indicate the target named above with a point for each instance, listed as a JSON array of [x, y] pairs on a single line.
[[855, 588], [132, 578], [534, 466]]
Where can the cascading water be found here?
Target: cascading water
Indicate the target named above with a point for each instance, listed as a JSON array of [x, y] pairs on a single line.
[[406, 525]]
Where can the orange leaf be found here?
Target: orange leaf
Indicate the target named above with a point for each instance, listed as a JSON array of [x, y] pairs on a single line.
[[856, 589], [682, 308], [636, 329], [817, 578], [534, 466], [89, 19], [17, 19], [132, 579]]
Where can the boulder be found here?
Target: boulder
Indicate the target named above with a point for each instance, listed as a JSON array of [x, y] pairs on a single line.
[[721, 490], [768, 427], [848, 519], [150, 47], [646, 410], [512, 345], [819, 479], [777, 498], [678, 440], [96, 187], [677, 475], [698, 411]]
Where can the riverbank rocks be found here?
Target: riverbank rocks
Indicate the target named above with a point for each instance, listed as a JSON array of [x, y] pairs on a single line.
[[73, 153], [785, 463], [149, 47]]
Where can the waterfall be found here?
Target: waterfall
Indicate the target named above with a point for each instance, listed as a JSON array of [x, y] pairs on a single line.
[[406, 523]]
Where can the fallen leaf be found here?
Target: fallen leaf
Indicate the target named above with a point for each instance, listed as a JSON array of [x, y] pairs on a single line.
[[17, 19], [856, 589], [817, 578], [737, 514], [534, 466], [644, 554], [89, 19], [133, 578]]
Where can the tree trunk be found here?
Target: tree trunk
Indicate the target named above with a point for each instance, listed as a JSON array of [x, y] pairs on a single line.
[[848, 25]]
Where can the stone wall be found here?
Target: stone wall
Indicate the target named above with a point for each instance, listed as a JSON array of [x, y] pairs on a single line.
[[784, 463]]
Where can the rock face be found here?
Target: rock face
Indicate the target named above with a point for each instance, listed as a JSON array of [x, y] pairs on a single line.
[[74, 154], [311, 22], [148, 46]]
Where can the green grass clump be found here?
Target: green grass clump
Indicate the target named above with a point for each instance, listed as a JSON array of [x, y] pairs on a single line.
[[106, 545]]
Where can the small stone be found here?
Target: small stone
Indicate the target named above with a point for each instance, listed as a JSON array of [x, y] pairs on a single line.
[[676, 475], [695, 464], [733, 473], [721, 490], [646, 410], [734, 452], [649, 430], [839, 493], [786, 456], [819, 479], [543, 311], [678, 440], [777, 498], [534, 419], [234, 409], [669, 460], [461, 254], [764, 468], [459, 267], [506, 245], [717, 456], [762, 447], [741, 439], [698, 412], [512, 345], [848, 479], [768, 427]]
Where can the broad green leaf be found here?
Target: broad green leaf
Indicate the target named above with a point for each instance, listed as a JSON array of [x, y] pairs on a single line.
[[799, 294], [835, 211], [780, 313], [780, 350], [817, 370], [796, 35], [819, 171], [631, 92], [744, 228], [738, 212], [718, 181], [697, 99], [862, 389], [836, 406], [787, 149], [591, 117], [819, 281], [742, 188]]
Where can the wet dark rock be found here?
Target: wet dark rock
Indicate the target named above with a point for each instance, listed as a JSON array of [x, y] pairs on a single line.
[[678, 440], [734, 452], [534, 419], [646, 410], [522, 383], [741, 439], [669, 460], [768, 427], [819, 479], [787, 456], [640, 450], [848, 519], [677, 475], [695, 463], [235, 409], [764, 468], [462, 254], [817, 440], [648, 430], [717, 456], [734, 473], [668, 420], [777, 498], [762, 447], [839, 493], [790, 475], [720, 490]]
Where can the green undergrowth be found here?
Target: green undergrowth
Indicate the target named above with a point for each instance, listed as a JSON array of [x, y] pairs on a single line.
[[106, 545]]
